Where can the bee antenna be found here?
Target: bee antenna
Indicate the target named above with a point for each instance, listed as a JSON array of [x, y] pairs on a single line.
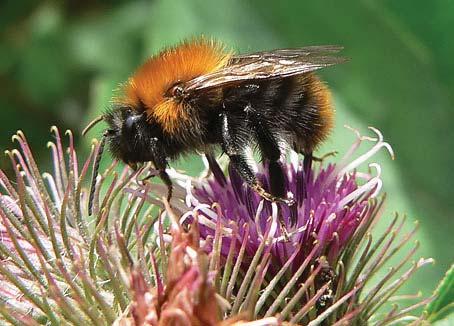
[[95, 174], [91, 124]]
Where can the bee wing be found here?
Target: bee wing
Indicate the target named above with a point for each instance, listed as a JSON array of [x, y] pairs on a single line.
[[264, 65]]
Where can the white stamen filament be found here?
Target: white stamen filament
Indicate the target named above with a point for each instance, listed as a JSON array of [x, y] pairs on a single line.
[[363, 175], [205, 162], [166, 238], [294, 159], [273, 227], [185, 216], [354, 147], [331, 218], [379, 181], [190, 199], [208, 222], [368, 186], [363, 158], [179, 177], [185, 182], [290, 234], [206, 209], [258, 218]]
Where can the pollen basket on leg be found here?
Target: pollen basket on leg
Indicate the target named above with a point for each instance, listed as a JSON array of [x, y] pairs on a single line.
[[151, 82]]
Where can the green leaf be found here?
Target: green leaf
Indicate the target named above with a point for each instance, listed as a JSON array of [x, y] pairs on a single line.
[[443, 305]]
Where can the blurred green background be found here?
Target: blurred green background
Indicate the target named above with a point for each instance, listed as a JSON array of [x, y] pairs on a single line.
[[60, 61]]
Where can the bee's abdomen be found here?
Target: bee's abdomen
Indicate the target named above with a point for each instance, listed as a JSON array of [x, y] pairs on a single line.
[[298, 108]]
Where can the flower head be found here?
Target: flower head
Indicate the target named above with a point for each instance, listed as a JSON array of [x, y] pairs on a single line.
[[234, 266], [330, 204], [327, 256]]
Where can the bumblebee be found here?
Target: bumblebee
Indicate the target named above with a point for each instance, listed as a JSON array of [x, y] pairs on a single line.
[[196, 95]]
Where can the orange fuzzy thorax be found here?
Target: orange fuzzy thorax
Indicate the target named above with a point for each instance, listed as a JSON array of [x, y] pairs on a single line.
[[178, 64]]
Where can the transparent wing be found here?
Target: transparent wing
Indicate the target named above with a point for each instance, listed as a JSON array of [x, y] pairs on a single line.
[[269, 64]]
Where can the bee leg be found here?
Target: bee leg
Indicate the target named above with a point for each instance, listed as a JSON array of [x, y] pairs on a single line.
[[239, 162], [166, 179], [324, 156], [148, 177], [307, 163], [307, 168], [271, 152], [160, 163], [233, 145]]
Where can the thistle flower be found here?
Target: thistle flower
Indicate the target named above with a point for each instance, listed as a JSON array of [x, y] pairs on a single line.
[[331, 203], [318, 272], [234, 267]]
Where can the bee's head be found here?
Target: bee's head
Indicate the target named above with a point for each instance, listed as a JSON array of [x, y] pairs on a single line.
[[131, 136]]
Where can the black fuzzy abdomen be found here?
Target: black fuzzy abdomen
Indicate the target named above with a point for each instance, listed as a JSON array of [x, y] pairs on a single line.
[[297, 110]]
